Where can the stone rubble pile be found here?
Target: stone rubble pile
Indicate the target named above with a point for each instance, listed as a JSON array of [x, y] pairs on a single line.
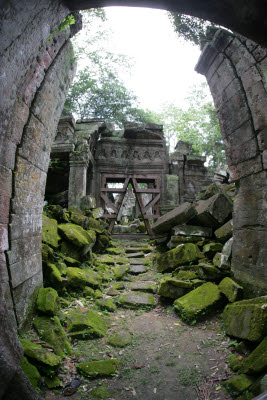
[[194, 243]]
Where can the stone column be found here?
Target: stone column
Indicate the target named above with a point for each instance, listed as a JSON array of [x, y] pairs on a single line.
[[77, 178]]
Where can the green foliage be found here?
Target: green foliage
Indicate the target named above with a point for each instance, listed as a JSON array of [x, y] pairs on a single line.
[[65, 24], [191, 29], [98, 91], [197, 125]]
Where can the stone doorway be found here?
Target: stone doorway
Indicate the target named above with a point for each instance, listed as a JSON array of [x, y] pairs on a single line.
[[142, 185]]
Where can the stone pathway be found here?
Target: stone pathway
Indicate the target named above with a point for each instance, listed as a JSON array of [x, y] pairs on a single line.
[[160, 356]]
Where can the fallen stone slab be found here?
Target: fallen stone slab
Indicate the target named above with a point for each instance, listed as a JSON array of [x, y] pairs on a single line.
[[120, 271], [42, 358], [237, 384], [137, 261], [107, 304], [136, 300], [136, 255], [31, 372], [77, 236], [174, 288], [209, 273], [177, 240], [210, 249], [213, 212], [225, 232], [230, 289], [137, 269], [144, 286], [144, 249], [180, 215], [192, 230], [182, 254], [198, 302], [246, 319], [86, 324], [50, 234], [94, 369]]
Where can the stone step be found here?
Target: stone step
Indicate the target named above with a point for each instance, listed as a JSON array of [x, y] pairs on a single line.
[[137, 261], [137, 269], [144, 286], [135, 255], [144, 249], [136, 299]]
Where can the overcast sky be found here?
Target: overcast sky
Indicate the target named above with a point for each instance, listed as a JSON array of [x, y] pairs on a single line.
[[163, 64]]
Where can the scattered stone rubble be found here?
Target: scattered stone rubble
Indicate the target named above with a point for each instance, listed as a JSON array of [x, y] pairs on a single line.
[[191, 268]]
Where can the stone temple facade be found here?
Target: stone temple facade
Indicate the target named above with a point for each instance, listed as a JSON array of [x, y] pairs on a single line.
[[91, 158]]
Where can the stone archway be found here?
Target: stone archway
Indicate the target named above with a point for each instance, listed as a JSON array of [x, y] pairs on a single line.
[[35, 75]]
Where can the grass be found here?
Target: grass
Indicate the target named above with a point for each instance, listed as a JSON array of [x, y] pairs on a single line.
[[190, 376]]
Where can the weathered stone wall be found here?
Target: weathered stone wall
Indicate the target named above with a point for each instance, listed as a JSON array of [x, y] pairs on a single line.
[[236, 71]]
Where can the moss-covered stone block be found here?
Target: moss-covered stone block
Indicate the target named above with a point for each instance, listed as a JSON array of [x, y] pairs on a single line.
[[56, 212], [114, 251], [198, 302], [106, 304], [225, 232], [121, 260], [210, 249], [237, 384], [98, 294], [41, 357], [95, 224], [79, 278], [106, 259], [120, 339], [256, 362], [102, 243], [186, 275], [234, 362], [78, 218], [76, 235], [53, 275], [71, 251], [50, 234], [72, 262], [135, 300], [95, 369], [51, 331], [120, 271], [119, 285], [230, 289], [48, 301], [31, 372], [52, 382], [88, 292], [100, 393], [47, 254], [183, 254], [174, 288], [246, 319], [209, 273], [62, 267], [86, 324], [112, 292]]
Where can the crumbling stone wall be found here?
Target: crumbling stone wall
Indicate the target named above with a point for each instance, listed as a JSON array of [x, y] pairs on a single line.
[[236, 71]]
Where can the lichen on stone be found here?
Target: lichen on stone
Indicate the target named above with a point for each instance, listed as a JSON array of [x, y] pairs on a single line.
[[120, 339], [94, 369], [106, 304]]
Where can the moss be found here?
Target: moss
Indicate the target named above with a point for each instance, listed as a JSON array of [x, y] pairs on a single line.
[[230, 289], [102, 243], [86, 325], [31, 372], [56, 212], [76, 235], [225, 232], [98, 294], [198, 302], [120, 339], [107, 260], [174, 288], [183, 254], [112, 292], [256, 362], [47, 254], [53, 382], [51, 331], [233, 362], [246, 319], [142, 228], [71, 251], [48, 301], [100, 393], [120, 271], [99, 266], [79, 278], [208, 272], [146, 286], [121, 260], [40, 356], [88, 292], [49, 232], [119, 285], [78, 218], [94, 369], [237, 384], [54, 276], [107, 304]]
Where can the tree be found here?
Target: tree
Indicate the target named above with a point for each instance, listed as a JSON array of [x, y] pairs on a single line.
[[192, 29], [98, 91], [197, 125]]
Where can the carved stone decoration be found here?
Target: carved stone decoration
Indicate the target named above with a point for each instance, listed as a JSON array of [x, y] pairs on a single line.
[[113, 153]]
